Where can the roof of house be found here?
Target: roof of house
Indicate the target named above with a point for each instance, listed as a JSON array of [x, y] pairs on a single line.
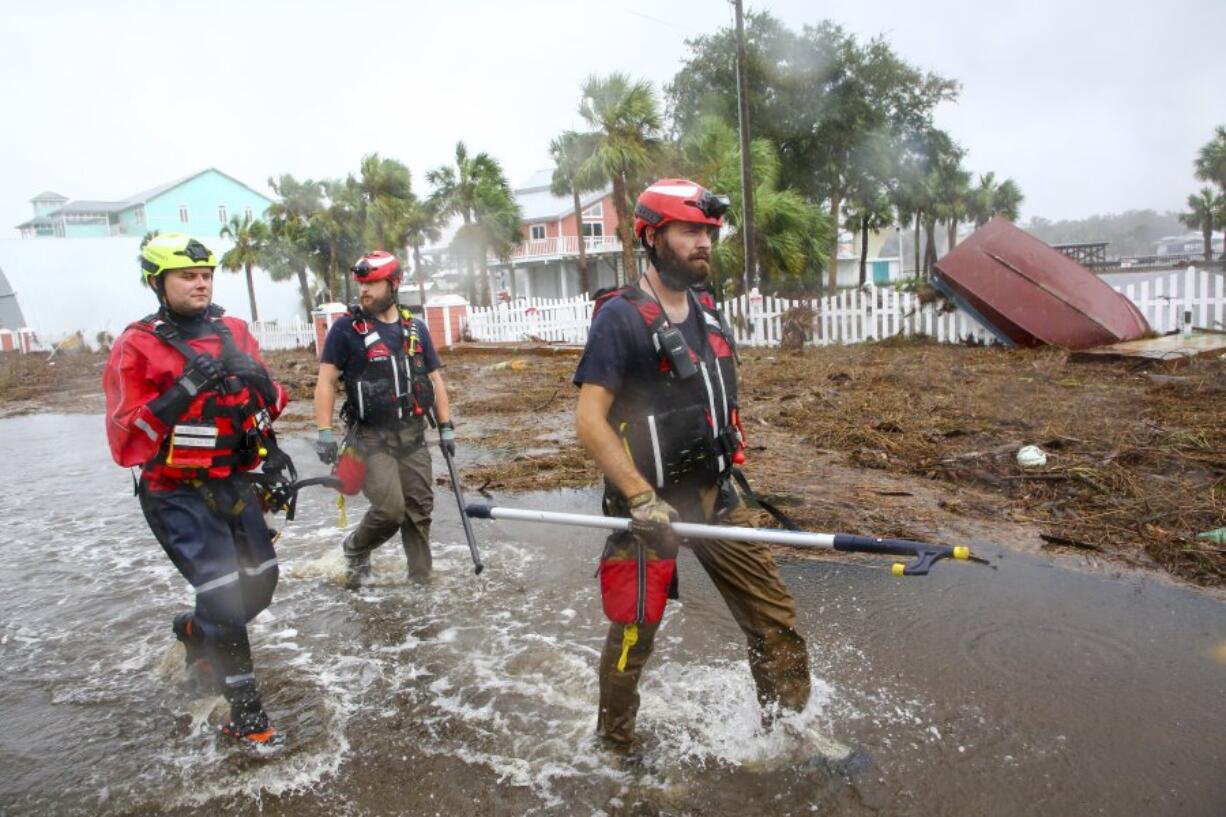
[[538, 204], [37, 221], [86, 206], [153, 192], [10, 309]]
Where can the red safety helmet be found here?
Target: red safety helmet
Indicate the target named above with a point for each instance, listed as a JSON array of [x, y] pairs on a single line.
[[677, 200], [377, 266]]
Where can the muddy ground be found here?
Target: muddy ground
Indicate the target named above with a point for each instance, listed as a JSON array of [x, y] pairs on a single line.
[[909, 439]]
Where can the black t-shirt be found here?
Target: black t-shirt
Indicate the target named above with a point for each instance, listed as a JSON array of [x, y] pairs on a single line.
[[619, 349], [345, 349]]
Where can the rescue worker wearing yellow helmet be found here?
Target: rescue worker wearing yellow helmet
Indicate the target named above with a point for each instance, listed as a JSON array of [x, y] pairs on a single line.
[[658, 413], [393, 386], [189, 402]]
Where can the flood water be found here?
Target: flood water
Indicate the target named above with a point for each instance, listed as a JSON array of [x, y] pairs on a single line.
[[1032, 689]]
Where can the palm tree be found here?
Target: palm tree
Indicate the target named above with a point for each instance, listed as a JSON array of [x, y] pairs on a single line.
[[868, 214], [625, 117], [955, 201], [790, 234], [474, 185], [1211, 159], [573, 175], [1007, 202], [1204, 210], [290, 248], [419, 224], [384, 190], [250, 237]]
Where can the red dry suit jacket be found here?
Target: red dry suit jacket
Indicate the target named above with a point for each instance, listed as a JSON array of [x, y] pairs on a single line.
[[141, 367]]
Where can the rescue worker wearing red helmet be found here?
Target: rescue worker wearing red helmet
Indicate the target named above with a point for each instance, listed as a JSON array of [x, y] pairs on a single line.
[[657, 411], [189, 402], [393, 384]]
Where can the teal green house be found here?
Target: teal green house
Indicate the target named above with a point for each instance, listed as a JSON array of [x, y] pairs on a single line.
[[198, 204]]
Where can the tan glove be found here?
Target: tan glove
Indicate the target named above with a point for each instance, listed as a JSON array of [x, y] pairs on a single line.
[[650, 517]]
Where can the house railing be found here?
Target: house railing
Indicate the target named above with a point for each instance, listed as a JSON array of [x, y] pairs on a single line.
[[566, 245], [849, 316]]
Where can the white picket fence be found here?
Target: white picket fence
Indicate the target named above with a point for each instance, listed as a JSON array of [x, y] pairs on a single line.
[[1163, 301], [283, 335], [849, 316]]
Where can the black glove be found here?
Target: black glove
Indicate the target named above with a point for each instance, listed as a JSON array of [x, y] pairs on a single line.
[[325, 446], [254, 375], [650, 517], [446, 438], [202, 372]]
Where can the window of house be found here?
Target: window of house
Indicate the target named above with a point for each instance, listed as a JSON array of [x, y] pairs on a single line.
[[536, 232], [139, 216], [595, 211], [247, 213], [593, 229], [221, 213], [183, 213]]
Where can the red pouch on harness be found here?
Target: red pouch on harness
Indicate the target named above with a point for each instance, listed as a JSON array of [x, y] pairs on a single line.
[[634, 584], [351, 471]]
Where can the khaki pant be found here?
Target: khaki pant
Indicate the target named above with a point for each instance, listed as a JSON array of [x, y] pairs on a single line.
[[746, 576], [399, 485]]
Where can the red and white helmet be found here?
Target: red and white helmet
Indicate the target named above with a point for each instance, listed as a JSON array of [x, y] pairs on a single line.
[[677, 200], [377, 266]]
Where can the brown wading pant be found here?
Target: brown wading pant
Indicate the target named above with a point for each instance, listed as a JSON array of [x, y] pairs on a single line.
[[746, 576], [399, 486]]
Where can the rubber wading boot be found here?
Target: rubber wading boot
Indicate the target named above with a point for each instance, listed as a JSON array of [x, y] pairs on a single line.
[[199, 676], [249, 725], [357, 565]]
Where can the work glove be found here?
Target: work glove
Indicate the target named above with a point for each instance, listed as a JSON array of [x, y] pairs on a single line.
[[649, 519], [325, 446], [446, 438], [202, 372], [254, 375]]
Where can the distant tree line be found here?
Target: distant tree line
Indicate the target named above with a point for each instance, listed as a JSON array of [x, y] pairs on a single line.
[[1129, 233], [843, 137]]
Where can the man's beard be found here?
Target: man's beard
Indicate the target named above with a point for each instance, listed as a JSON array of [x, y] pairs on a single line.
[[676, 273], [380, 305]]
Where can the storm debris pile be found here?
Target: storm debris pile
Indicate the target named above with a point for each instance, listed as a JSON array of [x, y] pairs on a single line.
[[1136, 465]]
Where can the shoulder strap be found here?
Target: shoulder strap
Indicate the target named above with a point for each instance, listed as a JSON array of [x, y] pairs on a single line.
[[649, 310], [707, 302]]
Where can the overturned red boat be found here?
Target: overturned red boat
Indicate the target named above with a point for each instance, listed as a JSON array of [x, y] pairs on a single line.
[[1028, 294]]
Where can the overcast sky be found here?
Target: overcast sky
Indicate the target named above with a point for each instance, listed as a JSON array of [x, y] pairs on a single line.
[[1092, 107]]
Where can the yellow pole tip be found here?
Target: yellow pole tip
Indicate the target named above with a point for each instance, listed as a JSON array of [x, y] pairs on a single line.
[[263, 452], [961, 552], [897, 568]]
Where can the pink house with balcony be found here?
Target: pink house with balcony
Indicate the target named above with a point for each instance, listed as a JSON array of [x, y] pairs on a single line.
[[546, 262]]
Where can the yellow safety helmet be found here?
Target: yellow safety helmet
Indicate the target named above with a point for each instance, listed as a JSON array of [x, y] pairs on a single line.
[[171, 251]]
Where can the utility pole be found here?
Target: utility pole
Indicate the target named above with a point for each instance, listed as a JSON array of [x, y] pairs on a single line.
[[742, 99]]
